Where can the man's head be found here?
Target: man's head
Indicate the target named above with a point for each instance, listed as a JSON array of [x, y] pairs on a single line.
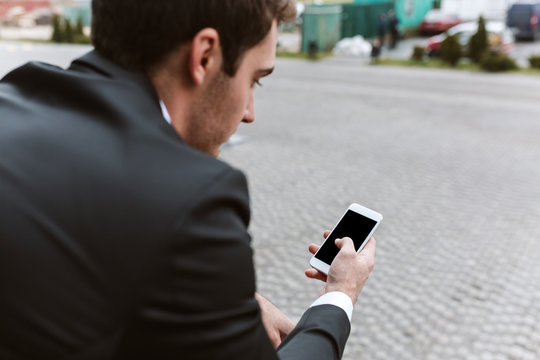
[[204, 57], [213, 104], [138, 34]]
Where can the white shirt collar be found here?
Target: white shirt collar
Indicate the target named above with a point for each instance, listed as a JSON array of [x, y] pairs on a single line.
[[166, 114]]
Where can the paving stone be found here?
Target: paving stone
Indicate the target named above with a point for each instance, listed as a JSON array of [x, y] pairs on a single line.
[[451, 161]]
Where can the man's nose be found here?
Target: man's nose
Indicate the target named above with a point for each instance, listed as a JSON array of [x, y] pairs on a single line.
[[249, 112]]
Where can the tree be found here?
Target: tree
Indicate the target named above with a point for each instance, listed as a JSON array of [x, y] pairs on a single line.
[[478, 44], [79, 28], [79, 37], [451, 50], [495, 62], [418, 53], [58, 31], [68, 31], [65, 32]]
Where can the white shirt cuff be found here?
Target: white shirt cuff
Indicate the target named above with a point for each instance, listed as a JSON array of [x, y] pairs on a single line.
[[338, 299]]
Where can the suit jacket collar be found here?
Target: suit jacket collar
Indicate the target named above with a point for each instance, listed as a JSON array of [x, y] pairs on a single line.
[[97, 62]]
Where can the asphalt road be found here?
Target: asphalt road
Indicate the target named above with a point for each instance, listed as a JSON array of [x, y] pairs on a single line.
[[451, 161]]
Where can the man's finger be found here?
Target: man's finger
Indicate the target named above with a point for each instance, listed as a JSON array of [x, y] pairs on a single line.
[[315, 274], [313, 248], [275, 338], [326, 233]]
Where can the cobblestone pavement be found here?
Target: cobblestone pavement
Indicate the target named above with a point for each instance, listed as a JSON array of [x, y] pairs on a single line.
[[451, 159]]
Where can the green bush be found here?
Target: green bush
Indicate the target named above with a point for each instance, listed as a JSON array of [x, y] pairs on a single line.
[[79, 28], [58, 31], [68, 31], [81, 39], [478, 44], [418, 53], [535, 61], [451, 50], [494, 62], [65, 32]]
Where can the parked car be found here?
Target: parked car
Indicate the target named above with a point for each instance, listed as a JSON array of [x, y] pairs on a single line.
[[436, 21], [42, 16], [522, 19], [500, 38]]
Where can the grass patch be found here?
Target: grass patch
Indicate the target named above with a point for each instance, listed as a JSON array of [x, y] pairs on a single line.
[[304, 56], [42, 41], [37, 41], [439, 64], [529, 71], [431, 63]]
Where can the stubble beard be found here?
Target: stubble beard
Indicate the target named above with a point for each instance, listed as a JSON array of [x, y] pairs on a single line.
[[204, 131]]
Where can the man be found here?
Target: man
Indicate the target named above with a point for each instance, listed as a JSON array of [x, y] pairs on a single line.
[[393, 24], [381, 29], [122, 237]]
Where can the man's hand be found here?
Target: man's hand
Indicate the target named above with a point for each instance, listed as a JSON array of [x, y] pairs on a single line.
[[349, 271], [276, 323], [314, 273]]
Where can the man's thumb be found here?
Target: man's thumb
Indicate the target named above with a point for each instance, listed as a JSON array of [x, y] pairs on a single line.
[[345, 243]]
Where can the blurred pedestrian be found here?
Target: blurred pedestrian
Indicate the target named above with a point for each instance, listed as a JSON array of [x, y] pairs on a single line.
[[393, 26], [381, 29], [375, 50]]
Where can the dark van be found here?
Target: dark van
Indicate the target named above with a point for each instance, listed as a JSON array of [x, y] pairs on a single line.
[[522, 18]]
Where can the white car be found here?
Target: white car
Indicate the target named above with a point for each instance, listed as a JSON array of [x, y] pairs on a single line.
[[500, 38]]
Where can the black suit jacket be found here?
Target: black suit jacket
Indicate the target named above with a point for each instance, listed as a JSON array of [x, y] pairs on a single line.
[[117, 240]]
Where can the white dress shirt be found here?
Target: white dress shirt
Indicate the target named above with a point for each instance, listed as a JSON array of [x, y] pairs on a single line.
[[166, 114], [336, 298]]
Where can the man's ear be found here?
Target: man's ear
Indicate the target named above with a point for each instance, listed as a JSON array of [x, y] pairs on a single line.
[[205, 54]]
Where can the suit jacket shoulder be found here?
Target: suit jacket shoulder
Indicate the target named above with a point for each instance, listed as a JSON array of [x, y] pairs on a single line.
[[145, 239], [119, 241]]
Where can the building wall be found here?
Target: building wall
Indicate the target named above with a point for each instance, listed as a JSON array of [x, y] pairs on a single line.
[[371, 1], [471, 10], [411, 12], [28, 5]]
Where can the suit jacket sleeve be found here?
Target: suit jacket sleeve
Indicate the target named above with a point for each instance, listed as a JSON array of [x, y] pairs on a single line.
[[201, 304], [321, 333]]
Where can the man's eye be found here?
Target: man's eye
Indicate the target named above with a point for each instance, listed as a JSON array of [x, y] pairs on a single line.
[[258, 83]]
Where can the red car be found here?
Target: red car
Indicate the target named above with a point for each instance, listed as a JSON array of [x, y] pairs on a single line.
[[436, 22]]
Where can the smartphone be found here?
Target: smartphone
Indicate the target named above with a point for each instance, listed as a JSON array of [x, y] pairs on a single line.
[[359, 223]]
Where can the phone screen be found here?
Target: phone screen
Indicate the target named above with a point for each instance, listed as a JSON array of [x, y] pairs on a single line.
[[353, 225]]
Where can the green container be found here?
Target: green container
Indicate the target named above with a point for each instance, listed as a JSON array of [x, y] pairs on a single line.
[[411, 12], [370, 2], [321, 27], [362, 19]]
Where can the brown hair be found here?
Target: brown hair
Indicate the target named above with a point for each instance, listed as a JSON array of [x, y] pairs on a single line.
[[137, 34]]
